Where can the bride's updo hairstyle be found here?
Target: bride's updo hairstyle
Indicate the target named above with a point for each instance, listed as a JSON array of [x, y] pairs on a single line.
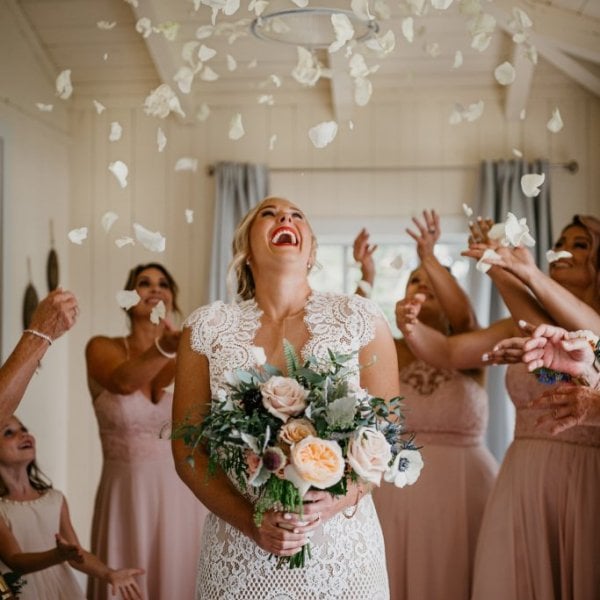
[[134, 273], [240, 281]]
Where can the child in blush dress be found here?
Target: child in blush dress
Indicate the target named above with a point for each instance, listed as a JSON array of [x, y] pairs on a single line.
[[36, 534]]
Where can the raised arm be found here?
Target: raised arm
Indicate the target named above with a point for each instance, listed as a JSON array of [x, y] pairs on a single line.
[[362, 252], [54, 316], [452, 298]]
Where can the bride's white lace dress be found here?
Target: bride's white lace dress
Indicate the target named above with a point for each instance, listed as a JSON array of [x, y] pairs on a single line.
[[348, 556]]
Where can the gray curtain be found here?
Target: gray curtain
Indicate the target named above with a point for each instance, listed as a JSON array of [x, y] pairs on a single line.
[[239, 187], [499, 193]]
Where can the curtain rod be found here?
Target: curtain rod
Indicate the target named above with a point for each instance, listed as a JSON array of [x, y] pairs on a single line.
[[572, 166]]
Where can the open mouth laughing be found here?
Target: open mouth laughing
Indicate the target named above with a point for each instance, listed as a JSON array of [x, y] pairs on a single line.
[[284, 236]]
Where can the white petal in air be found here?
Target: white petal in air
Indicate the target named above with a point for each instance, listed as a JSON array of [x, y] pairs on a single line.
[[258, 354], [363, 89], [252, 64], [151, 240], [236, 127], [169, 29], [343, 29], [530, 184], [555, 124], [517, 153], [158, 312], [552, 256], [44, 107], [144, 26], [161, 139], [105, 56], [161, 101], [208, 74], [484, 267], [108, 220], [184, 79], [189, 52], [124, 241], [189, 215], [120, 171], [100, 108], [301, 3], [505, 73], [106, 25], [205, 53], [308, 70], [458, 60], [64, 89], [266, 99], [78, 235], [276, 80], [186, 164], [522, 114], [204, 31], [231, 63], [467, 210], [127, 298], [323, 134], [408, 29], [516, 232], [203, 112], [272, 141], [473, 111], [116, 131], [383, 44], [361, 9], [441, 4], [397, 263], [521, 18]]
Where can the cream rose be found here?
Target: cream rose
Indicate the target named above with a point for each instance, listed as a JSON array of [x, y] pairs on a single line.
[[283, 397], [295, 430], [318, 462], [369, 454]]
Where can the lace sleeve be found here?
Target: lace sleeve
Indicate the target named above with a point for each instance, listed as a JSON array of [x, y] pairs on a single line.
[[205, 323]]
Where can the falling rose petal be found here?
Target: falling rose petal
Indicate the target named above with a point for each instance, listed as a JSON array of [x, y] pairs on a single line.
[[521, 18], [361, 9], [78, 235], [343, 29], [184, 79], [258, 6], [189, 51], [266, 99], [127, 298], [236, 127], [458, 60], [161, 139], [189, 215], [203, 112], [120, 170], [467, 210], [441, 4], [481, 41], [300, 3], [186, 164], [516, 232], [358, 66], [517, 153], [44, 107], [483, 266], [162, 101], [158, 312], [144, 27], [552, 256], [474, 111], [231, 7], [417, 7], [308, 70], [323, 134], [169, 29], [522, 114], [100, 108], [363, 88], [383, 44], [397, 263], [106, 25], [124, 241], [151, 240], [108, 220], [531, 183], [205, 53], [505, 73], [231, 63], [116, 131], [555, 124], [64, 89], [205, 31], [532, 54], [408, 29], [105, 56], [276, 80], [208, 74], [272, 141]]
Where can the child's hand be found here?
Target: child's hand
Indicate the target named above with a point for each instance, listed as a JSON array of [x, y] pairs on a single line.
[[122, 581], [67, 551]]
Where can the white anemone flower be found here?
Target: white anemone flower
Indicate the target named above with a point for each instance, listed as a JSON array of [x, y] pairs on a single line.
[[127, 298], [405, 469]]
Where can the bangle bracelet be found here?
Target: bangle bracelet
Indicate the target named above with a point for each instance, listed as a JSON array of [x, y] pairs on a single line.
[[168, 355], [40, 335]]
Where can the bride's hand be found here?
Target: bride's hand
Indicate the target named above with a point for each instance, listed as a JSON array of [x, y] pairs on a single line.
[[284, 533]]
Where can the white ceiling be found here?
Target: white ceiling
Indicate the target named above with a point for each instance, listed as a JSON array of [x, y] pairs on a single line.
[[565, 32]]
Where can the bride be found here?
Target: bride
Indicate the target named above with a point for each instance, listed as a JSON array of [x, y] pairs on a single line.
[[274, 249]]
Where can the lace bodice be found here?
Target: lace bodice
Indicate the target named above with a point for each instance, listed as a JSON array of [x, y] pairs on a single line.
[[348, 559], [523, 387], [225, 333], [443, 402]]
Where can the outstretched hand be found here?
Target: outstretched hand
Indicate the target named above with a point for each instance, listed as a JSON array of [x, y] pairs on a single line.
[[122, 581], [428, 233], [407, 313], [362, 251]]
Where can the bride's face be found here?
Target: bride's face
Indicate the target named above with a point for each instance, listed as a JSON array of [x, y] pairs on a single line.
[[280, 232]]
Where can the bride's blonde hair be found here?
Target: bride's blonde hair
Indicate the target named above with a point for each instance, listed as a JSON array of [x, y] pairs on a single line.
[[240, 281]]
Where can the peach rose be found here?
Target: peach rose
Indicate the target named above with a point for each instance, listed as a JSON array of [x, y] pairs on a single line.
[[283, 397], [318, 462], [296, 430], [369, 454]]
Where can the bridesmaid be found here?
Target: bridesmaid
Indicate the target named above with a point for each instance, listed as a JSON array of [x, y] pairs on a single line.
[[430, 545], [143, 515], [539, 536]]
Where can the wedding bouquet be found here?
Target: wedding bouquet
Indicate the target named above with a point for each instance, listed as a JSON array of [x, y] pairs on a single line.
[[312, 429]]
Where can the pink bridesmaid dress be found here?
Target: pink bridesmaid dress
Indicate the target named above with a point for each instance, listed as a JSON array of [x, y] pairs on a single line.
[[431, 528], [540, 536], [144, 515]]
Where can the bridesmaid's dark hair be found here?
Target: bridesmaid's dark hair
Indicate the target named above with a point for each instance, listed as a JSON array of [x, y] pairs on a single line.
[[135, 272]]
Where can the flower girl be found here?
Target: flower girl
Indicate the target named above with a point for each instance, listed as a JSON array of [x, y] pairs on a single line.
[[36, 534]]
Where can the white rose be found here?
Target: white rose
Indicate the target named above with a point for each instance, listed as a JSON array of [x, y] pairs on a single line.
[[283, 397], [369, 454]]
